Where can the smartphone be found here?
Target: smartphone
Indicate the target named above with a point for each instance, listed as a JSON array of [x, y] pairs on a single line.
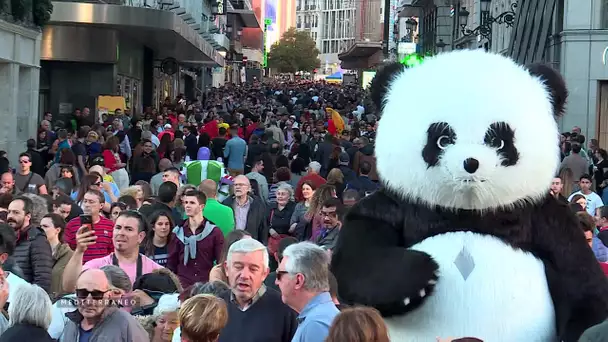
[[86, 220]]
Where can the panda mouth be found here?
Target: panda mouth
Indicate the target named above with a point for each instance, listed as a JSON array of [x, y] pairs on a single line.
[[470, 180]]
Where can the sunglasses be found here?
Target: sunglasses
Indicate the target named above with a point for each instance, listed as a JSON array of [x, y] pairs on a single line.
[[24, 161], [95, 294]]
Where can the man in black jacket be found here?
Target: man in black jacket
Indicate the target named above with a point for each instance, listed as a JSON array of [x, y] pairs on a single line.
[[32, 252], [249, 211]]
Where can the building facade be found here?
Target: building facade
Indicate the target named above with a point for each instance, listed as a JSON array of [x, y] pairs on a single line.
[[366, 48], [331, 24], [142, 50], [19, 78]]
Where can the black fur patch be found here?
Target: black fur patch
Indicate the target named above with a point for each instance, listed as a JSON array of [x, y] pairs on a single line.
[[431, 153], [556, 84], [382, 80], [502, 137]]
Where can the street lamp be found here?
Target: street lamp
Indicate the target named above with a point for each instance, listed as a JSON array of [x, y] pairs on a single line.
[[485, 28]]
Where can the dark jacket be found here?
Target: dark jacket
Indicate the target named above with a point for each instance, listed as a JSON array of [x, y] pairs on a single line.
[[256, 218], [25, 332], [33, 255], [366, 153], [279, 220]]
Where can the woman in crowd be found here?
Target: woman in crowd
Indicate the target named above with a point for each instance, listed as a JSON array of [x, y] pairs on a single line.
[[136, 192], [53, 226], [279, 216], [94, 181], [218, 272], [29, 315], [358, 324], [115, 209], [202, 318], [157, 240], [164, 320], [298, 218], [113, 162], [335, 177], [313, 220], [282, 175]]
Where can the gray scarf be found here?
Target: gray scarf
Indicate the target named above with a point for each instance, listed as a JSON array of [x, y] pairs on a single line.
[[190, 242]]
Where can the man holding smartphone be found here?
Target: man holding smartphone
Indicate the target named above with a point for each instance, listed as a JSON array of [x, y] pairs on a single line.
[[92, 219]]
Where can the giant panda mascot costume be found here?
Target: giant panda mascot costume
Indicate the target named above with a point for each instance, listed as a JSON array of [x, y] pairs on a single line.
[[464, 239]]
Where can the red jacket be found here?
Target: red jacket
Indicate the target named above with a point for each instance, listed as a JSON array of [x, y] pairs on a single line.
[[210, 128]]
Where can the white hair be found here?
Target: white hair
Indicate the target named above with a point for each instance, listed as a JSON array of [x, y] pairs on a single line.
[[167, 303], [248, 246], [315, 166], [30, 305], [117, 277], [285, 187], [310, 260]]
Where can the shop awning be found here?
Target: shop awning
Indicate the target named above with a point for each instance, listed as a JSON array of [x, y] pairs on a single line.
[[361, 55], [163, 31], [335, 76]]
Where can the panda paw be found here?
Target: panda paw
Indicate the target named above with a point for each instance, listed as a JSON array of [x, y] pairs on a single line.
[[421, 277], [422, 294]]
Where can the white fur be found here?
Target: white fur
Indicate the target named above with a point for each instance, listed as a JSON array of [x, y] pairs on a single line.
[[505, 298], [468, 89]]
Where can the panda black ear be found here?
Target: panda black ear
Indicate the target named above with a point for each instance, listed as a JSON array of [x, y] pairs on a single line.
[[380, 83], [556, 84]]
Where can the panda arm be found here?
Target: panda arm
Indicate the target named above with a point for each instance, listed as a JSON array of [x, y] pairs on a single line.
[[578, 286], [371, 261]]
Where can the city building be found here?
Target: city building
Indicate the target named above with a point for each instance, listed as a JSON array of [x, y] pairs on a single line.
[[19, 78], [143, 50], [332, 25], [365, 51], [245, 33]]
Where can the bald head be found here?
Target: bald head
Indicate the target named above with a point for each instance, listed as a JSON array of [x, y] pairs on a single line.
[[209, 188], [164, 164], [7, 177], [93, 279], [98, 169]]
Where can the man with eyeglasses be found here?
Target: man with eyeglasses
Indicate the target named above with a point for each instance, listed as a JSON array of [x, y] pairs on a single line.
[[249, 211], [26, 180], [97, 318], [303, 277], [331, 214], [129, 232], [92, 204]]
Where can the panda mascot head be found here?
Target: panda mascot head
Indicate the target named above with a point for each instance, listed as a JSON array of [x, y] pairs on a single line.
[[464, 238]]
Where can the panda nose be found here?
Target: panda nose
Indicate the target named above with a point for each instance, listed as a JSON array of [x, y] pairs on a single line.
[[471, 165]]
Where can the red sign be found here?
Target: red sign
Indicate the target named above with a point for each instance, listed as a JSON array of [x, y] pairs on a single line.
[[244, 59]]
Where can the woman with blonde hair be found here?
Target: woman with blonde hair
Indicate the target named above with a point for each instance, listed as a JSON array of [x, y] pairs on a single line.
[[135, 192], [202, 318], [358, 324]]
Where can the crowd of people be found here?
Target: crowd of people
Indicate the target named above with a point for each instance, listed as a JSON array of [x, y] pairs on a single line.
[[103, 235]]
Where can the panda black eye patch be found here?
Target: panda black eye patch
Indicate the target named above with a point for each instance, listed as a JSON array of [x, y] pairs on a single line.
[[501, 136], [439, 136]]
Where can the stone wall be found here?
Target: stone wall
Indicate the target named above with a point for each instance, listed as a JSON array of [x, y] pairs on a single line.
[[19, 84]]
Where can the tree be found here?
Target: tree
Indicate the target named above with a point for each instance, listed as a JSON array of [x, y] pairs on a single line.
[[295, 51]]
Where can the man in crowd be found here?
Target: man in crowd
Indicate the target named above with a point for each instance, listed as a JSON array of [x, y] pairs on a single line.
[[270, 281], [235, 153], [26, 180], [303, 277], [331, 214], [129, 232], [196, 244], [157, 179], [593, 200], [256, 174], [172, 175], [8, 184], [165, 201], [33, 252], [221, 215], [249, 212], [255, 313], [92, 204], [95, 319]]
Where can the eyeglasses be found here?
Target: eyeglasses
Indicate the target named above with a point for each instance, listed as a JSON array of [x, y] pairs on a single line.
[[95, 294], [328, 213]]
